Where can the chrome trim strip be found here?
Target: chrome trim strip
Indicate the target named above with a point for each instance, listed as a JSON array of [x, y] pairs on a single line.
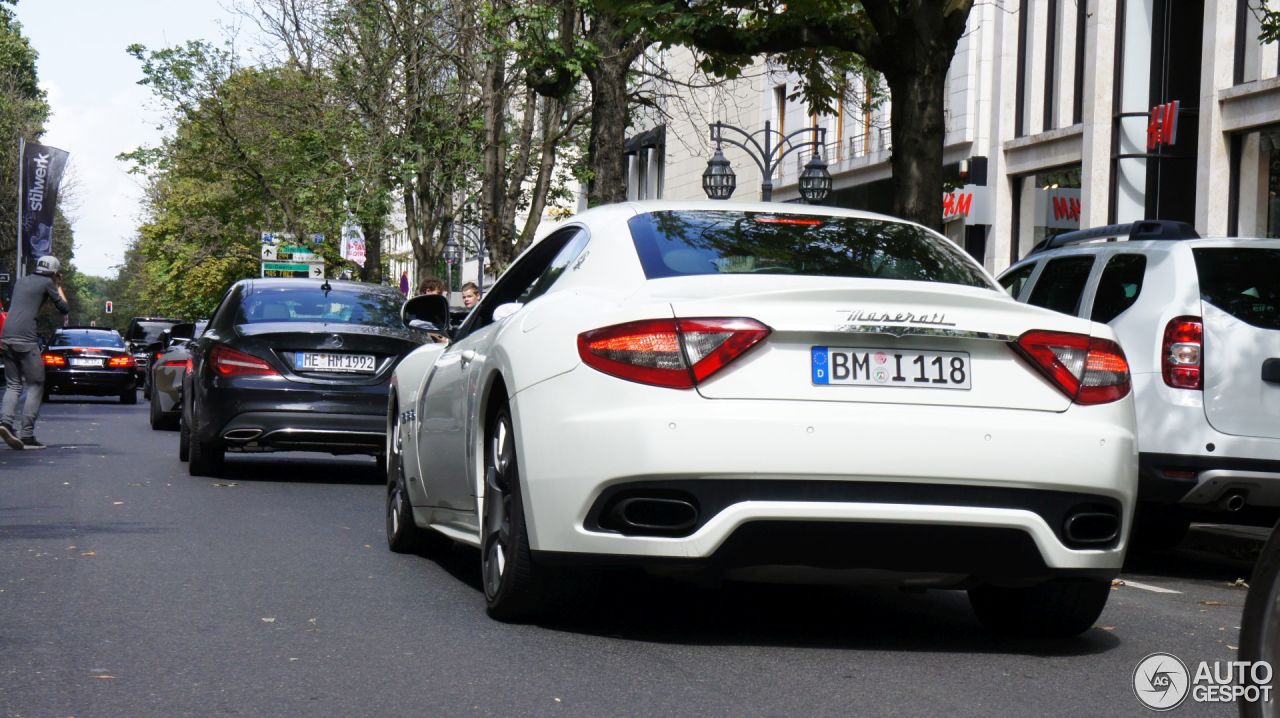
[[897, 330]]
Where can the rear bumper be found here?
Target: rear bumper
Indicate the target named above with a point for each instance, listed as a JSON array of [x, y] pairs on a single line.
[[338, 420], [932, 477], [96, 383], [1162, 480]]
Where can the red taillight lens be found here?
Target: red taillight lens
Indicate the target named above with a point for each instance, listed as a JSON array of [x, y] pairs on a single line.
[[120, 362], [53, 359], [189, 366], [177, 362], [675, 353], [1182, 353], [157, 356], [1087, 369], [229, 362]]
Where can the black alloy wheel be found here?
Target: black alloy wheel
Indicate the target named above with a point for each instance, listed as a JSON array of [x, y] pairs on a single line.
[[515, 588], [403, 535], [205, 458]]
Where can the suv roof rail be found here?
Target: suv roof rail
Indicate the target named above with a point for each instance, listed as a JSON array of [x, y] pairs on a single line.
[[1133, 231]]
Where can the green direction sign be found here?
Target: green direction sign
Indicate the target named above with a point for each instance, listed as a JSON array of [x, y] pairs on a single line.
[[300, 270], [286, 253]]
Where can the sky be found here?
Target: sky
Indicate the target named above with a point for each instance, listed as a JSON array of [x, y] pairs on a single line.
[[99, 110]]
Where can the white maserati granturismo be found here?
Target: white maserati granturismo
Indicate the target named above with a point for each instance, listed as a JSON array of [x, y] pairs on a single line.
[[768, 392]]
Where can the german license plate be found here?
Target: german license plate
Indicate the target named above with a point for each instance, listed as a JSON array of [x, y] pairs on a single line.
[[868, 366], [75, 361], [322, 361]]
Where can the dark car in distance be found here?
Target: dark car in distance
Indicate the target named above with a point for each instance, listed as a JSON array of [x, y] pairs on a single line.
[[141, 334], [88, 360], [293, 365]]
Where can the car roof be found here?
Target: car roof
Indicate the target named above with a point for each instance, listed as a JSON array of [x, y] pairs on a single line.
[[276, 282], [64, 330], [1147, 246]]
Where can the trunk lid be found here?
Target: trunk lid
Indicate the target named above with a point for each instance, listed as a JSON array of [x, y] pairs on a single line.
[[910, 341], [1240, 305], [281, 343]]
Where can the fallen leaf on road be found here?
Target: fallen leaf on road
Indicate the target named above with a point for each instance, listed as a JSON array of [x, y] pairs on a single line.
[[268, 620], [367, 546], [88, 553], [1211, 602], [117, 503], [1238, 583], [1116, 583], [104, 678], [225, 484], [1107, 628], [311, 621], [1232, 648], [291, 660]]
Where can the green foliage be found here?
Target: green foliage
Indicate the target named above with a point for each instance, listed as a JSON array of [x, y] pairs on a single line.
[[1270, 19]]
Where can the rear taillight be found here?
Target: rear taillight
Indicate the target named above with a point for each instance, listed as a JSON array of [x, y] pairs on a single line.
[[1182, 353], [120, 362], [178, 362], [675, 353], [189, 365], [53, 359], [1087, 369], [229, 362]]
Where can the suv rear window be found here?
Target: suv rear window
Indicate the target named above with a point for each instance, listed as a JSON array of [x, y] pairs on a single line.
[[149, 331], [1061, 283], [1119, 286], [685, 243], [1242, 282]]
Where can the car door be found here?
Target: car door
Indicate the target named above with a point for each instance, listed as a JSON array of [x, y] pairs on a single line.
[[448, 424]]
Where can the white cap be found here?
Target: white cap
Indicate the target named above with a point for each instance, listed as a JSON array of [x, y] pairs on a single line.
[[48, 264]]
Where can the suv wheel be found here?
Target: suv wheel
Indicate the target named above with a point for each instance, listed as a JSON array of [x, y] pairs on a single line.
[[1060, 608]]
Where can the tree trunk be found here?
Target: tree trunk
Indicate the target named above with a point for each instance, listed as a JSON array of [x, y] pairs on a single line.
[[494, 181], [372, 270], [610, 115], [550, 121], [918, 127]]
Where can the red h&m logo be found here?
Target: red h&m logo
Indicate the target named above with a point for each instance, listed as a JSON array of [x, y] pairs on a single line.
[[1162, 127], [1066, 208], [957, 204]]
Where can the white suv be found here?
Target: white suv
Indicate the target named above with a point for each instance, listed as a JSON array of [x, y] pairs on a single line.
[[1199, 320]]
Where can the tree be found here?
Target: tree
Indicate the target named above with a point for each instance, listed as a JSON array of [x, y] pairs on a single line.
[[23, 111], [909, 42]]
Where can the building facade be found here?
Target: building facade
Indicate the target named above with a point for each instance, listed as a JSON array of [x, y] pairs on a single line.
[[1059, 113]]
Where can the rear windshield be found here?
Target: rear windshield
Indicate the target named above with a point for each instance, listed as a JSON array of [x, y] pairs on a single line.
[[683, 243], [87, 339], [149, 331], [311, 304], [1243, 282]]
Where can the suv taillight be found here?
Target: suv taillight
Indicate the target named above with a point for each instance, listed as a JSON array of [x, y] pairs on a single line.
[[1087, 369], [675, 353], [229, 362], [1182, 353]]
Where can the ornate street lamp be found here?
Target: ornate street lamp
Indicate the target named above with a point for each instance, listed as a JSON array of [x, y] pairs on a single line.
[[767, 148], [815, 180], [719, 181], [452, 254]]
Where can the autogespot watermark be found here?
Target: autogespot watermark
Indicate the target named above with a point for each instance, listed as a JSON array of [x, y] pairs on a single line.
[[1162, 682]]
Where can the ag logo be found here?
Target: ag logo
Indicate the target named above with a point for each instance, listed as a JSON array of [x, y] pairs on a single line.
[[1161, 681]]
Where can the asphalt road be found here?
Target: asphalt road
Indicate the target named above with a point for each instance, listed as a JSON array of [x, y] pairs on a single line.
[[128, 588]]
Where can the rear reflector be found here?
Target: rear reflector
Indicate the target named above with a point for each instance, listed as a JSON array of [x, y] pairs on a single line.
[[229, 362], [674, 353], [1089, 370], [1182, 353]]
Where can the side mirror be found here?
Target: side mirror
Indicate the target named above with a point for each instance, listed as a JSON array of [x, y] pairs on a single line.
[[428, 309]]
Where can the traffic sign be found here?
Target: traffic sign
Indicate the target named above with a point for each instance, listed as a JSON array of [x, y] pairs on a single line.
[[317, 238], [4, 278], [286, 253], [298, 270], [108, 307]]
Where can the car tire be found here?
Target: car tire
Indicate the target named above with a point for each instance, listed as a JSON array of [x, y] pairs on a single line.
[[205, 458], [184, 441], [129, 396], [157, 420], [403, 534], [516, 589], [1260, 624], [1158, 527], [146, 387], [1060, 608]]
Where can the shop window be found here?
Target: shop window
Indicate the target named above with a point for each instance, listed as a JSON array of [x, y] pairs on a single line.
[[1061, 284], [1118, 287], [1047, 204]]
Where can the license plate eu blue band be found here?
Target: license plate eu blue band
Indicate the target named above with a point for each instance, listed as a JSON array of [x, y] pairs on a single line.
[[871, 366]]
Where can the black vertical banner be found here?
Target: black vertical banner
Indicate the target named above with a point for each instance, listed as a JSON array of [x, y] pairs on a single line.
[[41, 174]]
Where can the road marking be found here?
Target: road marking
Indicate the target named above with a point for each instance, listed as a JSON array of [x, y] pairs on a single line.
[[1148, 587]]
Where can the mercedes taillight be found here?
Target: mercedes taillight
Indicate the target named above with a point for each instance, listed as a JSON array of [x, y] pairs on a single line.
[[673, 353], [229, 362], [1182, 353], [1089, 370]]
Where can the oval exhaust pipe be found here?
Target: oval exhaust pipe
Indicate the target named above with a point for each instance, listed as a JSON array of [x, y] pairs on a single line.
[[1233, 501], [651, 514], [1091, 527], [242, 435]]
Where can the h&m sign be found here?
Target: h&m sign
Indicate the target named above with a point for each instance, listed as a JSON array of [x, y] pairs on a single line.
[[1162, 125]]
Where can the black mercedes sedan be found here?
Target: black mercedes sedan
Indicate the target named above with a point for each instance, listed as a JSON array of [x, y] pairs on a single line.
[[293, 365], [88, 360]]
